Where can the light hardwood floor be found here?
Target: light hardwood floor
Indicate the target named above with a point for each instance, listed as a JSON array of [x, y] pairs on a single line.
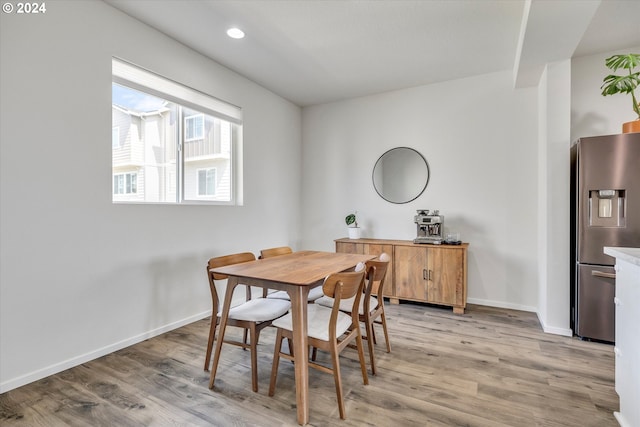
[[488, 367]]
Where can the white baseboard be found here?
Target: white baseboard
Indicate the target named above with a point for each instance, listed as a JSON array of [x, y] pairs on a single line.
[[547, 329], [75, 361], [501, 304], [621, 420], [567, 332]]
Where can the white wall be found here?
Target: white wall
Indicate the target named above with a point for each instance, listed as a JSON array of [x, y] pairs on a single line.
[[80, 276], [479, 136], [554, 123], [591, 113], [565, 86]]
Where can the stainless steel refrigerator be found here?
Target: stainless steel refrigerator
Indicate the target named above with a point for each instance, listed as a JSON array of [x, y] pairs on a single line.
[[605, 211]]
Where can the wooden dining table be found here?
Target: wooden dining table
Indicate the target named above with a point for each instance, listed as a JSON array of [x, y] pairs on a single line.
[[296, 274]]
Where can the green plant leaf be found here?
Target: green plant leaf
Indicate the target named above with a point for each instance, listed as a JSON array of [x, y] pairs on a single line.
[[613, 84], [350, 219], [628, 61]]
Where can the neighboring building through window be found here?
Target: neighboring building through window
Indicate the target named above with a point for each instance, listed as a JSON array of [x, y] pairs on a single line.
[[115, 137], [125, 183], [174, 144], [194, 127], [207, 182]]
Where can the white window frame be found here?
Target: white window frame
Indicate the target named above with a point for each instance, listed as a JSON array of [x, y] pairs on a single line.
[[137, 78]]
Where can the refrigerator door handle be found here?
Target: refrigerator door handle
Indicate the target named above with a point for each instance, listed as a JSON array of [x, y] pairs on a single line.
[[603, 274]]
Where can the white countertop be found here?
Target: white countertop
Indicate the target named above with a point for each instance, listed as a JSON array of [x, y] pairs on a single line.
[[631, 255]]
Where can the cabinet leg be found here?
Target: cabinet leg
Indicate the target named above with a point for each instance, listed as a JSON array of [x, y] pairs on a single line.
[[458, 310], [394, 300]]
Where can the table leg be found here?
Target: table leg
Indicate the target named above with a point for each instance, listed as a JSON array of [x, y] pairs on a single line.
[[300, 350], [232, 282]]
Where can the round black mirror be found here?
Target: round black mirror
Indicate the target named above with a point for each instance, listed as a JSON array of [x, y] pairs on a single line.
[[401, 175]]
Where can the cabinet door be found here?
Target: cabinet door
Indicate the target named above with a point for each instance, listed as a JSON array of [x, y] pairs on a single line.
[[627, 346], [350, 248], [410, 270], [378, 249], [445, 276]]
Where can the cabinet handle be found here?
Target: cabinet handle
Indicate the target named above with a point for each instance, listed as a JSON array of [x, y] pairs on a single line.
[[616, 301], [430, 275], [603, 274], [425, 274]]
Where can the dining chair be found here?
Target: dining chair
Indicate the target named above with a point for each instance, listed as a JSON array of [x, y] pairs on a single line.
[[253, 315], [314, 293], [371, 307], [271, 252], [328, 329]]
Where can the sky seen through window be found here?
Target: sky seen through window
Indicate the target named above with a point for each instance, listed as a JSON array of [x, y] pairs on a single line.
[[134, 100]]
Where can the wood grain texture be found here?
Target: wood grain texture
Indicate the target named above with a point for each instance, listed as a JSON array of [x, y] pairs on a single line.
[[296, 274], [434, 274], [299, 268], [488, 367], [371, 247], [271, 252]]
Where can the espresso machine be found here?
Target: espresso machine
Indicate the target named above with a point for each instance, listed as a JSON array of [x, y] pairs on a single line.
[[430, 227]]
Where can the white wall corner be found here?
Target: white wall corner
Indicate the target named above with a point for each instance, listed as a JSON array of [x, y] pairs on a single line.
[[542, 225], [554, 291], [523, 31], [567, 332], [550, 31]]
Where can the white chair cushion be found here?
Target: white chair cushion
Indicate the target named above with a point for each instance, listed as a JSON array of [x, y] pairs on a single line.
[[314, 294], [259, 310], [347, 304], [318, 318], [384, 257], [278, 295], [239, 293]]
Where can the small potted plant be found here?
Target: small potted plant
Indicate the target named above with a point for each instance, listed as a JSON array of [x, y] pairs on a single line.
[[628, 83], [352, 224]]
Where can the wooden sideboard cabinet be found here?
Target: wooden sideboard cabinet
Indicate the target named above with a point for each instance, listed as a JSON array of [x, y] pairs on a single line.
[[371, 247], [435, 274]]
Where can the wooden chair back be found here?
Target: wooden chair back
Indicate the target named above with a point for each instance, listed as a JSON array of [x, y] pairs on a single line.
[[225, 260], [271, 252], [341, 286], [376, 274], [222, 261], [338, 286], [376, 277], [251, 326], [344, 285]]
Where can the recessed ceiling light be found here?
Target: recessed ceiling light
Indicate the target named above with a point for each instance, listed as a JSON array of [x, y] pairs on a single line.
[[235, 33]]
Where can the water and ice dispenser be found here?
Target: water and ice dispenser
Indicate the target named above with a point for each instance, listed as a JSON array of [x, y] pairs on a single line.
[[607, 208]]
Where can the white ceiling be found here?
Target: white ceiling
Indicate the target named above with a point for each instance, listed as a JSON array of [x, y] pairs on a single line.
[[317, 51]]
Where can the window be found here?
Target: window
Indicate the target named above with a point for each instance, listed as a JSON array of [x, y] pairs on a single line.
[[207, 182], [194, 127], [115, 137], [125, 183], [179, 144]]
